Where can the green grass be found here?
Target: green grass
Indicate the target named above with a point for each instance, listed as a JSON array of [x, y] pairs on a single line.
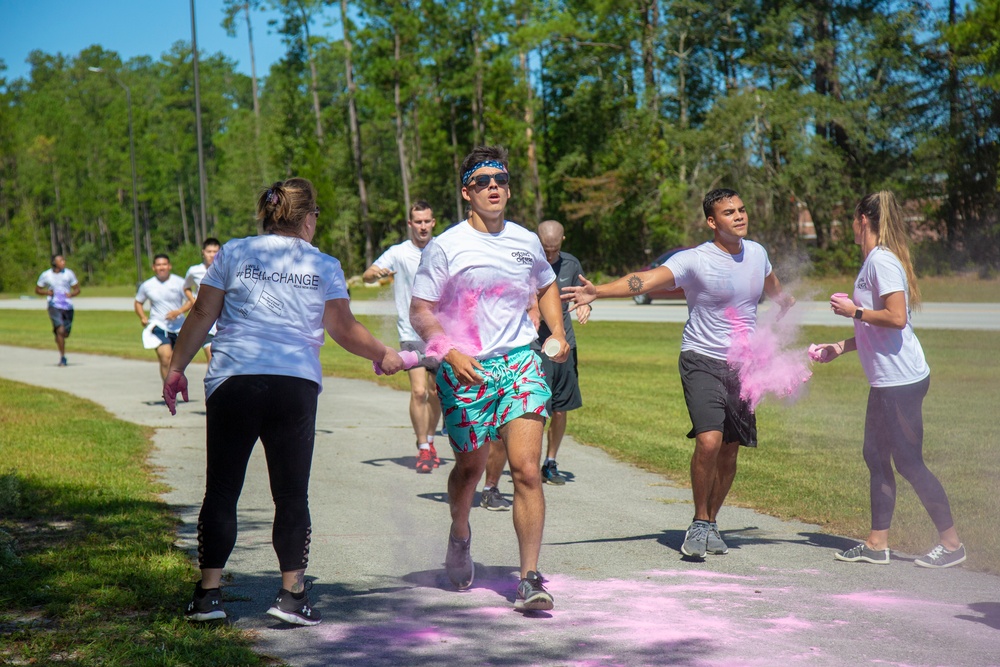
[[94, 577]]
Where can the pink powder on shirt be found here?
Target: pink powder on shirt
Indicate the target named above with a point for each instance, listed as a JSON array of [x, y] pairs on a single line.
[[764, 363]]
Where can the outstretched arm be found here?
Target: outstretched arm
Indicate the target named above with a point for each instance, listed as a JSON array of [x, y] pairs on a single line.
[[354, 337], [633, 284]]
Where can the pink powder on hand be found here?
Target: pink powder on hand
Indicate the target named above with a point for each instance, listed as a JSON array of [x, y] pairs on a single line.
[[817, 353], [409, 357], [764, 364]]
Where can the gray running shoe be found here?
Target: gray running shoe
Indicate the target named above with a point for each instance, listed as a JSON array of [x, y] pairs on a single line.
[[861, 553], [696, 539], [940, 557], [714, 543], [458, 562], [208, 607], [491, 499], [531, 595], [550, 474], [297, 611]]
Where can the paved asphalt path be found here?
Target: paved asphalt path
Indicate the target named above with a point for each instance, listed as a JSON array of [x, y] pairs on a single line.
[[624, 595], [982, 316]]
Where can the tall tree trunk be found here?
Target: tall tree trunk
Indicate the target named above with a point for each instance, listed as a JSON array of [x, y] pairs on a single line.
[[352, 112], [456, 162], [478, 127], [650, 21], [954, 131], [400, 139], [256, 100], [184, 218], [313, 78], [529, 132]]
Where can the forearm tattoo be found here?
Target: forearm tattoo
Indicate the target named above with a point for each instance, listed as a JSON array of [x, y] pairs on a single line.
[[634, 284]]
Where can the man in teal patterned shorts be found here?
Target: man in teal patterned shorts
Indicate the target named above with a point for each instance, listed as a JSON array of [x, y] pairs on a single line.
[[470, 301]]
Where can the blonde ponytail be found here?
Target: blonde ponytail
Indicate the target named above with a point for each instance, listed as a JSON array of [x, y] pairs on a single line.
[[886, 220]]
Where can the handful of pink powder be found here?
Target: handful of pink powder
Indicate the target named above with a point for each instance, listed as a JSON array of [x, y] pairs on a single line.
[[763, 363]]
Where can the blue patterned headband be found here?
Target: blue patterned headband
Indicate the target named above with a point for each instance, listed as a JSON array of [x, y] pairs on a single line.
[[496, 164]]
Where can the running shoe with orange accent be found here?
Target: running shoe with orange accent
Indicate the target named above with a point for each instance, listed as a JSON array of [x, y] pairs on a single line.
[[434, 455], [425, 462]]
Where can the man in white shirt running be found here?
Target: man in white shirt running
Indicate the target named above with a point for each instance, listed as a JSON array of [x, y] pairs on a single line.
[[60, 285], [723, 280], [165, 293], [470, 301], [401, 261], [192, 282]]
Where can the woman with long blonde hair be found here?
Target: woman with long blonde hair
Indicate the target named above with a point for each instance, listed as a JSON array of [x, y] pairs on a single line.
[[885, 291]]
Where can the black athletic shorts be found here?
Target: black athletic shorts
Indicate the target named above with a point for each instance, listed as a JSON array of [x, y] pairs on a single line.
[[712, 394], [564, 383]]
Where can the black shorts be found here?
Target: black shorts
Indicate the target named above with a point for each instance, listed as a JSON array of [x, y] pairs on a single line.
[[712, 394], [564, 383], [61, 318]]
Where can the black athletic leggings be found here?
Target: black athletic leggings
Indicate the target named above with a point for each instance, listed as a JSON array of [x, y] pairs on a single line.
[[281, 411], [894, 432]]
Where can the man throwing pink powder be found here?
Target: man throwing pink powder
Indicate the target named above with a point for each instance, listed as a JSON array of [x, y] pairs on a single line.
[[470, 300], [728, 273]]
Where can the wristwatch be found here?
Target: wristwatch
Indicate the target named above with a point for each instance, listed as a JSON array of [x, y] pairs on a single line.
[[857, 313]]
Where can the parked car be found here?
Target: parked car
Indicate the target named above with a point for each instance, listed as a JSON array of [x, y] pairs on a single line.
[[660, 294]]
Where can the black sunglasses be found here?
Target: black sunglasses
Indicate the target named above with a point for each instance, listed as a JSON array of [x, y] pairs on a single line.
[[482, 180]]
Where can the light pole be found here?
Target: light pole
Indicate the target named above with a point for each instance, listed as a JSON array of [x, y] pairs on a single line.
[[135, 199]]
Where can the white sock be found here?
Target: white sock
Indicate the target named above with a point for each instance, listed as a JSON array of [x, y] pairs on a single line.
[[547, 459], [430, 440], [487, 487], [424, 445]]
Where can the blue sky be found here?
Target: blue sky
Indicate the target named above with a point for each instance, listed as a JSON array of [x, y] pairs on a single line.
[[134, 28]]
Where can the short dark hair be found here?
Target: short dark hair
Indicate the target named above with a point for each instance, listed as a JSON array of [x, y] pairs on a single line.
[[211, 240], [161, 256], [419, 205], [714, 197], [485, 154]]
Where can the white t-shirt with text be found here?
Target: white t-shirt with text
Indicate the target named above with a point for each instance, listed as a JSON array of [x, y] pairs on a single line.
[[272, 316], [890, 357], [61, 283], [163, 297], [482, 284], [722, 290], [193, 277], [403, 259]]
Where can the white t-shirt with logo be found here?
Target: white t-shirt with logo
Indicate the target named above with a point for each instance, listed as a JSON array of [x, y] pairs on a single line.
[[721, 290], [403, 259], [272, 317], [163, 297], [482, 284], [890, 357], [61, 283]]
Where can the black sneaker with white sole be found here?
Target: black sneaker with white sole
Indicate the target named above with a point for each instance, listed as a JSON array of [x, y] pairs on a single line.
[[294, 610], [205, 605]]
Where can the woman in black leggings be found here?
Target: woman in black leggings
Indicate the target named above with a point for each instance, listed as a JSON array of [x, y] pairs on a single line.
[[274, 296], [884, 292]]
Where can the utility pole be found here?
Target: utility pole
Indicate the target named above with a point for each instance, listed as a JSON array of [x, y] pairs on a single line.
[[202, 182]]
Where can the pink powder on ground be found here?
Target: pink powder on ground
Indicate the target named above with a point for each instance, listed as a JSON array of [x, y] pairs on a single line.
[[764, 363]]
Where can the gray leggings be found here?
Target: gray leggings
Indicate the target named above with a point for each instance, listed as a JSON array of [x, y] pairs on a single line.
[[894, 433]]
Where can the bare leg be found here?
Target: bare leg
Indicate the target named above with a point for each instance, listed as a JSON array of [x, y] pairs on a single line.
[[462, 487], [164, 353], [419, 407], [523, 438], [293, 581], [433, 406], [496, 461], [557, 429], [211, 577], [725, 468], [61, 340], [704, 472], [879, 540]]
